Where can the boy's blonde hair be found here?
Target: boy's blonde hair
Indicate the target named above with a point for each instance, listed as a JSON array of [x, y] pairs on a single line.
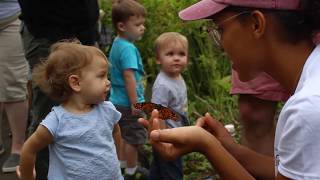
[[170, 37], [65, 59], [122, 10]]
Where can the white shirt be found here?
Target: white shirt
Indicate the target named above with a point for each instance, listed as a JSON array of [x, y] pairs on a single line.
[[297, 140]]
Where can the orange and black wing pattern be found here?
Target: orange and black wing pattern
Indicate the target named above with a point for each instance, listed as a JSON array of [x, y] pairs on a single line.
[[164, 112]]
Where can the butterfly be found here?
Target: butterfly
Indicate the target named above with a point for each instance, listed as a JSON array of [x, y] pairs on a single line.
[[164, 112]]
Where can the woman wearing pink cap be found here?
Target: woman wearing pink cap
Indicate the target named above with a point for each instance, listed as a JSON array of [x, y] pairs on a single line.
[[272, 36]]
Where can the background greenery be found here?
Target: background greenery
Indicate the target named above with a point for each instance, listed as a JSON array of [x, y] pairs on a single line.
[[207, 75]]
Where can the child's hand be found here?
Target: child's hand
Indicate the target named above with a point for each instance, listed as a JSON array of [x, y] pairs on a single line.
[[217, 129], [135, 112], [19, 173]]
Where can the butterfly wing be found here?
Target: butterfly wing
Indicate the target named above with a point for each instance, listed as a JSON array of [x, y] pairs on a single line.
[[167, 113], [164, 112], [138, 105], [146, 107]]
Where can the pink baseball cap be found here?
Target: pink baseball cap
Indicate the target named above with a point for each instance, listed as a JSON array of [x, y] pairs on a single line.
[[206, 8]]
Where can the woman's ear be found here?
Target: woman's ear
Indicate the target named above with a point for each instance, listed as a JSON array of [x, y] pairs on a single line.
[[258, 24], [74, 82]]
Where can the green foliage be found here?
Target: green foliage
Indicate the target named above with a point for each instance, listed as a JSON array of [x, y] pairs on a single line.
[[207, 75]]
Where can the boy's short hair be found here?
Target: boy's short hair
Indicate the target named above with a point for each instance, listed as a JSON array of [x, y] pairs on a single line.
[[65, 59], [170, 37], [122, 10]]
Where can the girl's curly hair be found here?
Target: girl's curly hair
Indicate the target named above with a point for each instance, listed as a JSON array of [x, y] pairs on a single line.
[[65, 59]]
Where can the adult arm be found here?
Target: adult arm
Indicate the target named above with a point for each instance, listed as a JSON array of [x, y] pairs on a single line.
[[172, 143], [258, 165]]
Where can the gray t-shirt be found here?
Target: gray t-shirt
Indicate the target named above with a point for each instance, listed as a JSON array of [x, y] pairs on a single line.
[[171, 93], [83, 146]]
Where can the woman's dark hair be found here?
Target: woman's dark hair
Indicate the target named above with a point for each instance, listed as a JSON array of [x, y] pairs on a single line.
[[296, 25]]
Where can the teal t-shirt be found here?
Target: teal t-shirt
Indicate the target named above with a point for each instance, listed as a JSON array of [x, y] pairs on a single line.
[[124, 55]]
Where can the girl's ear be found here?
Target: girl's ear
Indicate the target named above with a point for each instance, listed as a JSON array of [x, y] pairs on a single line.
[[74, 82], [258, 24]]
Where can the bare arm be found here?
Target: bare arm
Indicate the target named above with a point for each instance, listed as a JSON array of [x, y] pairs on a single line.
[[117, 137], [39, 139], [258, 165], [232, 161], [130, 83], [244, 161], [225, 164], [172, 143]]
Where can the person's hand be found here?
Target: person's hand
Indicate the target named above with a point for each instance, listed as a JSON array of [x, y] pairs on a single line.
[[135, 112], [172, 143], [217, 129], [148, 124], [19, 173]]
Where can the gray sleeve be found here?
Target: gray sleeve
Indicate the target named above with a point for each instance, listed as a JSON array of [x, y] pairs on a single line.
[[161, 95]]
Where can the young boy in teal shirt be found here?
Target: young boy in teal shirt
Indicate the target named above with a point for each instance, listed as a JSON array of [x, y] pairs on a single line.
[[126, 81]]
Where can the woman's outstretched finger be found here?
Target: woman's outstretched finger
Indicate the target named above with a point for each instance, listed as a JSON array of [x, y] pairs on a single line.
[[212, 123], [200, 122], [164, 142], [154, 114], [144, 122], [174, 136], [155, 124]]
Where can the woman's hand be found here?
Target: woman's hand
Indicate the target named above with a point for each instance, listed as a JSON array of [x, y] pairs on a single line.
[[217, 129], [149, 124], [172, 143]]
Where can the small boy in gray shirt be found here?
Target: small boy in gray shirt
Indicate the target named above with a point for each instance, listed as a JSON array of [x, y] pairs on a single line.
[[169, 90]]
